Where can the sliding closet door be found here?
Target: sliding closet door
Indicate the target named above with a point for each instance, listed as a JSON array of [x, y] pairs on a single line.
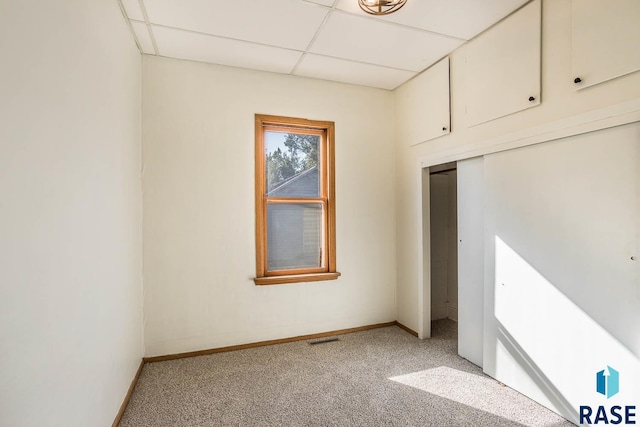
[[470, 258], [562, 289]]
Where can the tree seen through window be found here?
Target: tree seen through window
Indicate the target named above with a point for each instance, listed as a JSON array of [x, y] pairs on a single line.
[[289, 155]]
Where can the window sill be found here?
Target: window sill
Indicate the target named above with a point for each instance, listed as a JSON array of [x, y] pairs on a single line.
[[295, 278]]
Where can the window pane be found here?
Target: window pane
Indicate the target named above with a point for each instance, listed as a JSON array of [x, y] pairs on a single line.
[[292, 164], [294, 236]]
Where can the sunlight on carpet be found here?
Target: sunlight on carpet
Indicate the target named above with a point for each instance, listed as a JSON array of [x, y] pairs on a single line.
[[476, 391]]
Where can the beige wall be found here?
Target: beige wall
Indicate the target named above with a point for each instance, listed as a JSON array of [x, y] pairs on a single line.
[[198, 183], [560, 100], [70, 212]]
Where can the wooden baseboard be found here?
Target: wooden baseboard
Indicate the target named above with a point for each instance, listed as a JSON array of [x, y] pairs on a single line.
[[123, 407], [411, 331], [265, 343]]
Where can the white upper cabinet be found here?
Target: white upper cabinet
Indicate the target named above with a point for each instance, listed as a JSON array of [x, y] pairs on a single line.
[[429, 115], [605, 40], [500, 72]]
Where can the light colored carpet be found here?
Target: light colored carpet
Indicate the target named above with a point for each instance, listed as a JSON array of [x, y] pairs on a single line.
[[381, 377]]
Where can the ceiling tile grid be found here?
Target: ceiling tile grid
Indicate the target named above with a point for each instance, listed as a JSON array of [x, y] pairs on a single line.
[[132, 7], [282, 23], [235, 53], [340, 70], [461, 19], [324, 39], [376, 42], [141, 31]]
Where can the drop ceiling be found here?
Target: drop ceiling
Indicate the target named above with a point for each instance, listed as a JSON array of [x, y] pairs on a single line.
[[324, 39]]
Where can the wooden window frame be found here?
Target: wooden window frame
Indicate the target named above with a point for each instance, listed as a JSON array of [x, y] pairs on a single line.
[[326, 130]]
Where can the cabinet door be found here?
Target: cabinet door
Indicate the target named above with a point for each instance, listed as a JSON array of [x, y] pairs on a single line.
[[429, 100], [501, 69], [605, 38]]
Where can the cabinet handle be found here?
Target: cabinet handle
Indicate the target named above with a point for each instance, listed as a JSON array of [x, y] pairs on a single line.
[[444, 129], [577, 80], [531, 99]]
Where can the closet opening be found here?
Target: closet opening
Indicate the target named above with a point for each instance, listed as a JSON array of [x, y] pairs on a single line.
[[443, 227]]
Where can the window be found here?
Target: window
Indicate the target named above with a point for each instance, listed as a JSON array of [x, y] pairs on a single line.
[[295, 201]]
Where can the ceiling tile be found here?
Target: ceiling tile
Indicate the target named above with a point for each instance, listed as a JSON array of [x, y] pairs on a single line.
[[322, 2], [376, 42], [132, 7], [340, 70], [458, 18], [283, 23], [142, 33], [200, 47]]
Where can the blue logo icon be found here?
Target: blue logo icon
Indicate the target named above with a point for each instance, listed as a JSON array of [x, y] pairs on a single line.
[[608, 382]]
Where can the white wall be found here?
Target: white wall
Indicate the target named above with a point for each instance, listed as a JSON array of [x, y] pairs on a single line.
[[199, 232], [439, 206], [70, 212], [560, 100], [444, 271]]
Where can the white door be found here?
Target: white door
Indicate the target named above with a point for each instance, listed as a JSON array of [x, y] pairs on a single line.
[[562, 292], [470, 258]]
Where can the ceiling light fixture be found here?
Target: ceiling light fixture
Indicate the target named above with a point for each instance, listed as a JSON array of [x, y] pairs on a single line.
[[381, 7]]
